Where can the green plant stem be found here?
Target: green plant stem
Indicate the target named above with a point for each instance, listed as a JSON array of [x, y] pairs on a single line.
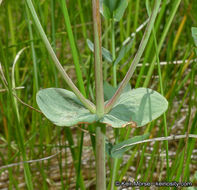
[[100, 129], [168, 24], [115, 160], [73, 47], [100, 158], [53, 38], [89, 105], [114, 173], [137, 6], [113, 52], [162, 92], [53, 25], [98, 59], [12, 35], [12, 30], [82, 19], [138, 55], [69, 137], [17, 124]]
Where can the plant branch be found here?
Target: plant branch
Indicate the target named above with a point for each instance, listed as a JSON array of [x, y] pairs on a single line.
[[89, 105], [136, 60]]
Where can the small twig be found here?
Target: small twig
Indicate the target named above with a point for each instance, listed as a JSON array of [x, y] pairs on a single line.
[[17, 88], [29, 161], [172, 137], [26, 104], [85, 131], [3, 76], [178, 62]]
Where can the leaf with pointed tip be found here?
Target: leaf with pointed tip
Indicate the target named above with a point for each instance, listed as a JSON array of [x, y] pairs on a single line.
[[63, 108], [113, 9], [119, 12], [106, 12], [137, 107], [119, 149], [105, 53], [123, 51], [111, 4]]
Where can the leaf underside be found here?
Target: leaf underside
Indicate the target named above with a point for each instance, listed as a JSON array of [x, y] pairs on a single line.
[[136, 107]]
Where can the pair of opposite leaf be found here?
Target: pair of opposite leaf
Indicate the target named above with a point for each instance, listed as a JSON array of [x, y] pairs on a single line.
[[137, 106], [113, 9]]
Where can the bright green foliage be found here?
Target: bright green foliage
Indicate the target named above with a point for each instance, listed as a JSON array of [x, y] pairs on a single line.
[[139, 107], [119, 149], [63, 108], [105, 53], [114, 9], [194, 35]]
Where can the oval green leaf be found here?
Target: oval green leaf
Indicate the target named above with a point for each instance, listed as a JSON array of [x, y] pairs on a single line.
[[137, 107], [63, 108]]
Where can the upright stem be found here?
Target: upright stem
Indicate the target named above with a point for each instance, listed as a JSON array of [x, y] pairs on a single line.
[[138, 55], [98, 59], [113, 52], [100, 130], [114, 160], [100, 159]]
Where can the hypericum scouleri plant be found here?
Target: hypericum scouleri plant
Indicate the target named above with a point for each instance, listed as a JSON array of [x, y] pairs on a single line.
[[124, 107]]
